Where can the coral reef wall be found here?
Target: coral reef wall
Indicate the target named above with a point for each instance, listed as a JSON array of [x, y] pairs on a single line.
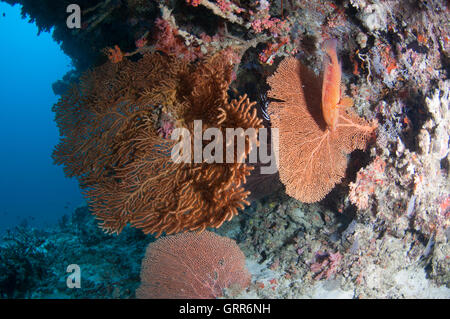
[[383, 228]]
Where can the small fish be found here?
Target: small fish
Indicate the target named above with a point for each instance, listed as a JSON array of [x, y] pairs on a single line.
[[264, 102], [331, 86]]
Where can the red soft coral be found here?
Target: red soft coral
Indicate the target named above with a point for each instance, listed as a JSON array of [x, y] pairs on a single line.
[[169, 42]]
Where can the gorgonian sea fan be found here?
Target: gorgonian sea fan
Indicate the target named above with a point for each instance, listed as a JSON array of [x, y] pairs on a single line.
[[113, 143], [311, 157], [192, 266]]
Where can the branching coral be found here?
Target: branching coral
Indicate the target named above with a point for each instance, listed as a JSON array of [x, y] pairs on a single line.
[[23, 262], [312, 158], [111, 143]]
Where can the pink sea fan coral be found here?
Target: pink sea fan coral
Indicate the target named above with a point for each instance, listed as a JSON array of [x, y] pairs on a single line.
[[192, 265]]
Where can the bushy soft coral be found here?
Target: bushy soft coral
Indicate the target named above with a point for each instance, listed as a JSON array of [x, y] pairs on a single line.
[[169, 42], [115, 55], [224, 5], [274, 25]]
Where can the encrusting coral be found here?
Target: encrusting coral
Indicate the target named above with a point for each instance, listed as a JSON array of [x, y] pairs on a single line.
[[111, 141], [312, 156]]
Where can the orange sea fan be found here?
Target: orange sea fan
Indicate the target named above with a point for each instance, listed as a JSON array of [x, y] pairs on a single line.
[[312, 158], [110, 141], [192, 266]]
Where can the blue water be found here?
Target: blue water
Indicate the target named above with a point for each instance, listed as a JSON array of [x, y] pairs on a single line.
[[31, 187]]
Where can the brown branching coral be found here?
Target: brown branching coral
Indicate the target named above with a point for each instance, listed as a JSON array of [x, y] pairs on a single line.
[[312, 158], [110, 141]]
